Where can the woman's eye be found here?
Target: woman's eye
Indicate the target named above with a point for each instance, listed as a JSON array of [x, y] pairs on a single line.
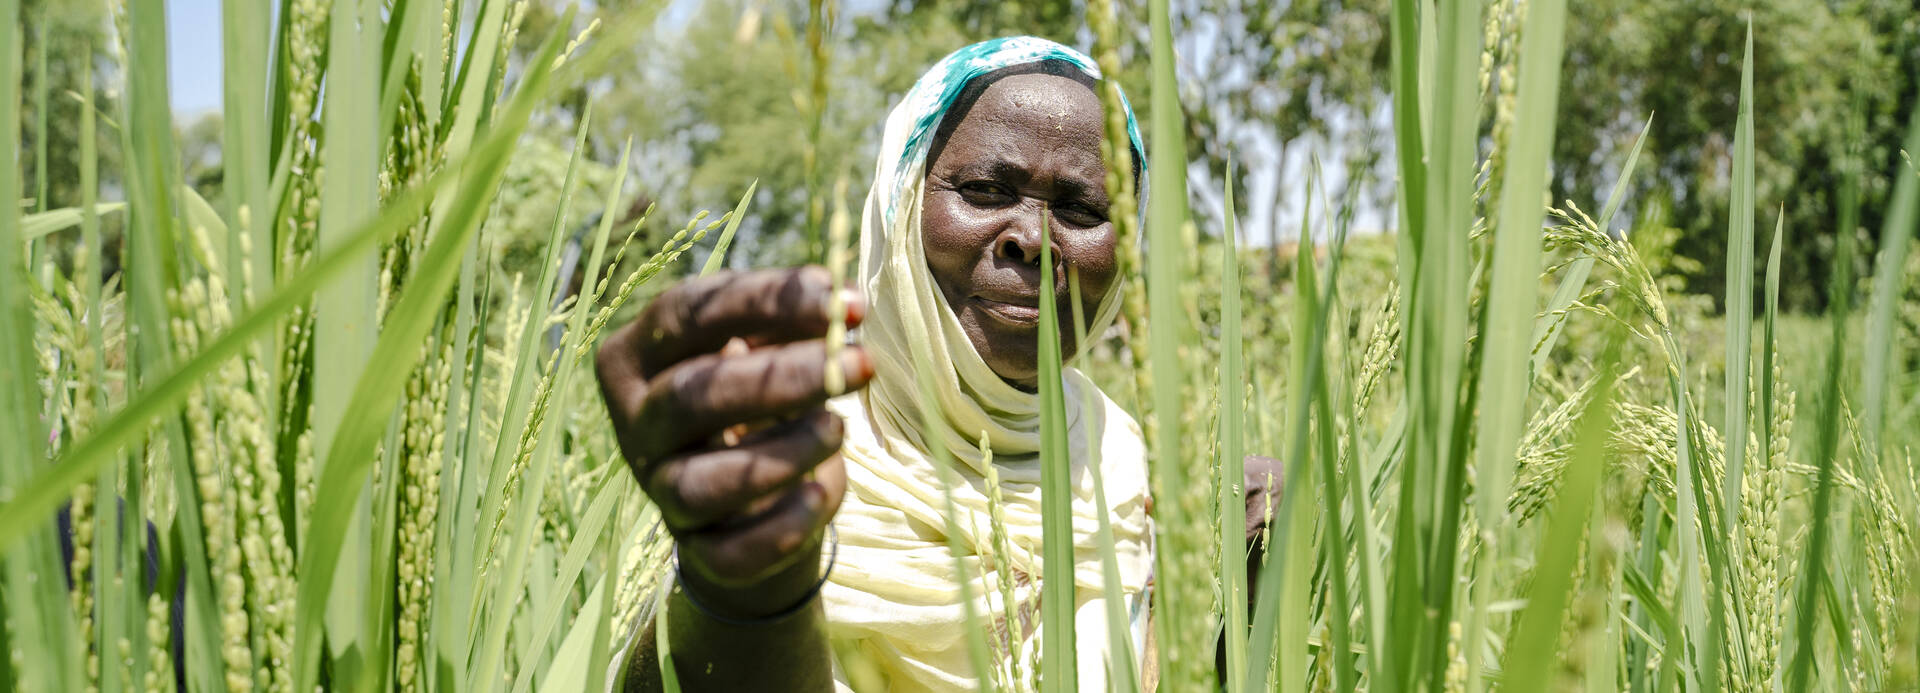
[[1080, 215], [985, 194]]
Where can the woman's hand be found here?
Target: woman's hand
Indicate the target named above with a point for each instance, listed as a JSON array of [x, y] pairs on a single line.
[[717, 396]]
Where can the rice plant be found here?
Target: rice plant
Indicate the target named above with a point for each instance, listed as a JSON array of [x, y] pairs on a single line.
[[313, 433]]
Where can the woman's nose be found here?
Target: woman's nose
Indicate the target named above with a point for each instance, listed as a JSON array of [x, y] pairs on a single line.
[[1020, 240]]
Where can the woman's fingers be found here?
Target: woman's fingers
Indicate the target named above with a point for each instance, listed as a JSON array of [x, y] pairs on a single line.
[[766, 307], [745, 552], [701, 489], [699, 397]]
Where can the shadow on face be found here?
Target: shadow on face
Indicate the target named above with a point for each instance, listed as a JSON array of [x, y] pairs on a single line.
[[1026, 150]]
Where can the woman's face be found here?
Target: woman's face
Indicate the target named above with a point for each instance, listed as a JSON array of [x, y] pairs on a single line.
[[1028, 148]]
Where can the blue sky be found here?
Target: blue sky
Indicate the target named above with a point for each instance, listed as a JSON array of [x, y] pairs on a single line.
[[193, 53], [193, 56]]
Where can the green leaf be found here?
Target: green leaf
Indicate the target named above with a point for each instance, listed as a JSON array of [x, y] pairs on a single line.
[[578, 551], [246, 170], [1889, 286], [1511, 299], [1531, 656], [718, 258], [575, 662], [1812, 576], [1123, 671], [1739, 346], [1182, 528], [34, 226], [32, 597], [346, 321], [1057, 660], [1232, 460]]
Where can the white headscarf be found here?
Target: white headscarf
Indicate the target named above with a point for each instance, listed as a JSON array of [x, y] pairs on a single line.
[[893, 597]]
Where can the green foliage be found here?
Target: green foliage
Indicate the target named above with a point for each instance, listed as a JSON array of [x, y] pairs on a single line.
[[1515, 459], [1813, 60]]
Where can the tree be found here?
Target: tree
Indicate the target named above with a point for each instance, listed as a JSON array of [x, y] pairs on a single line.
[[62, 38], [1821, 70]]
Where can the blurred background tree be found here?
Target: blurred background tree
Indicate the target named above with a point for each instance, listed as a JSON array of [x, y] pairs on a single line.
[[1681, 63], [53, 62]]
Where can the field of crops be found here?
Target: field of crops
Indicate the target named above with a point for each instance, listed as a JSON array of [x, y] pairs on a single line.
[[318, 431]]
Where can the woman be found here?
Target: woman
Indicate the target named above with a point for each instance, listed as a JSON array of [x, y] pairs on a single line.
[[994, 138]]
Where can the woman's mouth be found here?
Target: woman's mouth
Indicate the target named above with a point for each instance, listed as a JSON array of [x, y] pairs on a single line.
[[1016, 314]]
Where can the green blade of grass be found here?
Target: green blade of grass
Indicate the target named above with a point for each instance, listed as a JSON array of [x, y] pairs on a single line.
[[152, 173], [399, 45], [1770, 343], [30, 583], [245, 168], [345, 325], [613, 550], [663, 645], [718, 258], [1739, 347], [346, 321], [1511, 300], [1372, 598], [1334, 553], [1687, 523], [36, 225], [540, 469], [41, 87], [1812, 580], [576, 662], [1232, 461], [930, 418], [1057, 662], [452, 593], [578, 551], [1184, 634], [466, 83], [1532, 653], [1124, 672], [1267, 607], [1438, 336], [1279, 615], [1889, 284], [1739, 296]]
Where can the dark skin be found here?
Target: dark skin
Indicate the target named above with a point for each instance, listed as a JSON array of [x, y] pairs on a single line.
[[1027, 153], [716, 390]]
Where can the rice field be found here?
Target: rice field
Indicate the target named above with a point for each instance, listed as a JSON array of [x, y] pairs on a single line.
[[313, 433]]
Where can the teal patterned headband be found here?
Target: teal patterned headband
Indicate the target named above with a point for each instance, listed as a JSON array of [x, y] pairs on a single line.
[[936, 91]]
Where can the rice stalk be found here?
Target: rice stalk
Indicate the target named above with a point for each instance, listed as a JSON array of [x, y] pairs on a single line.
[[1181, 489], [1058, 666], [1123, 205]]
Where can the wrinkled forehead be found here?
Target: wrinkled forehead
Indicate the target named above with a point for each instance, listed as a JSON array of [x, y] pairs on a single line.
[[1037, 97]]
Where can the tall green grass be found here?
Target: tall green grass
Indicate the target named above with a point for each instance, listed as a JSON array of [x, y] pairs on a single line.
[[367, 467]]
